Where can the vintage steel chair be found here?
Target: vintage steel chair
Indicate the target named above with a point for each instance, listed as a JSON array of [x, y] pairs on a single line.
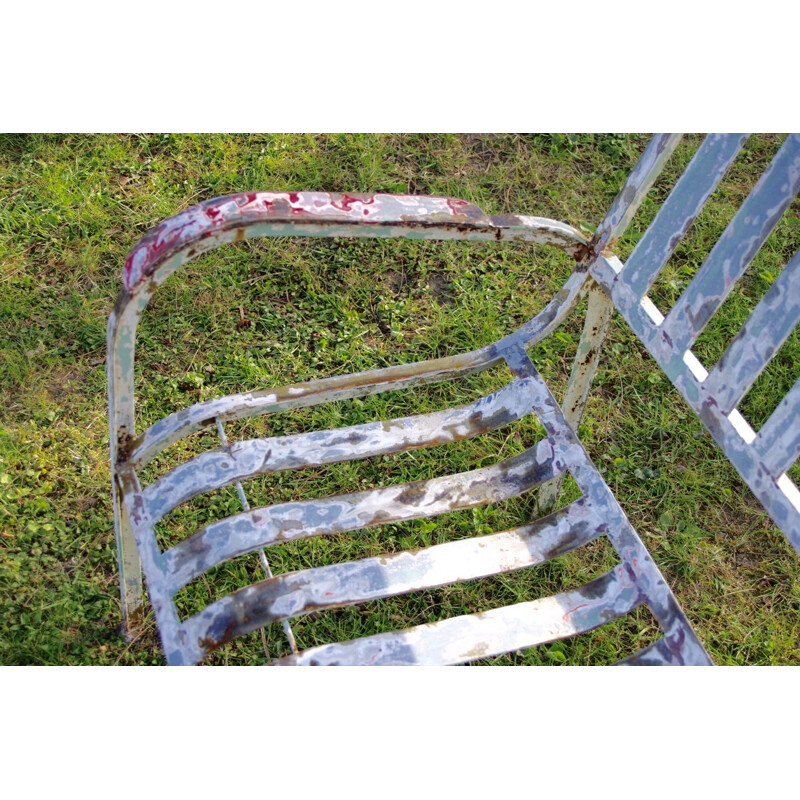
[[762, 459]]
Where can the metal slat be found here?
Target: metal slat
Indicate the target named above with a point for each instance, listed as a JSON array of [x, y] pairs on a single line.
[[778, 441], [293, 594], [491, 633], [242, 460], [767, 327], [680, 209], [627, 202], [303, 395], [731, 255], [244, 533]]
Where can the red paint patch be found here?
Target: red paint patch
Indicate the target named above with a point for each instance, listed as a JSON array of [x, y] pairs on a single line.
[[348, 201], [573, 610]]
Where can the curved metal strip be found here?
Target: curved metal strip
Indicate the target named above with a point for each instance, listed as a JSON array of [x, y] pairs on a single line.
[[297, 593], [302, 395], [182, 423], [245, 532], [243, 460], [250, 214], [492, 633]]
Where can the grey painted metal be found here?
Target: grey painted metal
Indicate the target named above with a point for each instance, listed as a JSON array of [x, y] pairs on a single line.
[[293, 594], [735, 249], [778, 441], [262, 556], [491, 633], [595, 327], [620, 533], [761, 459], [757, 216], [627, 202], [286, 522], [681, 209], [244, 460], [766, 329]]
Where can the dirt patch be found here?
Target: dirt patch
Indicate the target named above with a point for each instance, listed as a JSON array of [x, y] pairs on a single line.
[[396, 280], [440, 288]]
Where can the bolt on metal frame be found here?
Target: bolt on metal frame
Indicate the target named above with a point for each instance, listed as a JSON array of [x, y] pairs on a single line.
[[762, 459]]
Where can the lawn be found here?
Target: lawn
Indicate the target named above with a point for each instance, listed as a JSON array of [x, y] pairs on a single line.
[[271, 312]]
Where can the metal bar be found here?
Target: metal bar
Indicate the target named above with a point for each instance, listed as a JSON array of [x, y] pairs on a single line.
[[244, 533], [120, 417], [491, 633], [242, 460], [294, 594], [302, 395], [262, 556], [767, 327], [778, 441], [153, 564], [598, 317], [627, 202], [680, 209], [256, 214], [732, 253]]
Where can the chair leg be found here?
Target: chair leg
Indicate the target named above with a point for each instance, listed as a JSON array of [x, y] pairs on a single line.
[[130, 571], [598, 317]]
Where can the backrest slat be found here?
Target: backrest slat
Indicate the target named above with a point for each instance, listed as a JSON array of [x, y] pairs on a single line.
[[627, 202], [680, 209], [778, 441], [732, 254], [773, 319]]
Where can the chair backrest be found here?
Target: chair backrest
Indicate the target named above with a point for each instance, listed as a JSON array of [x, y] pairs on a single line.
[[763, 458]]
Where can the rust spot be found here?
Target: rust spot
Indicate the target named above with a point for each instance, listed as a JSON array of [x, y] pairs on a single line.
[[125, 444]]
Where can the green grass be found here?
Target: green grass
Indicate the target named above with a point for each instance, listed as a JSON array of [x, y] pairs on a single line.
[[266, 313]]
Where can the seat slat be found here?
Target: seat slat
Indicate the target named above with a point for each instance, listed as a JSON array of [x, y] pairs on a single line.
[[732, 253], [260, 527], [242, 460], [297, 593], [491, 633], [770, 323], [302, 395], [680, 209]]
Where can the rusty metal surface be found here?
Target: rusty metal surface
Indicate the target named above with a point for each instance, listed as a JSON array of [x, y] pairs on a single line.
[[246, 459], [285, 522], [635, 580], [296, 593], [463, 639]]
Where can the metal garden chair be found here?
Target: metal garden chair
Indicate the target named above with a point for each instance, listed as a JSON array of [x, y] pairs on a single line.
[[762, 458]]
